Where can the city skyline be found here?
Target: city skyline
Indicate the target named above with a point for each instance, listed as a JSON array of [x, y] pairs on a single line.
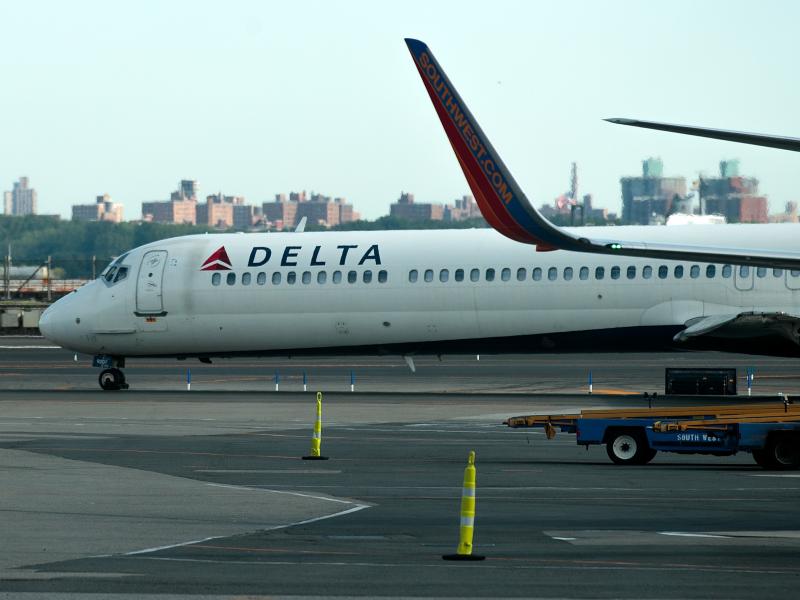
[[327, 94]]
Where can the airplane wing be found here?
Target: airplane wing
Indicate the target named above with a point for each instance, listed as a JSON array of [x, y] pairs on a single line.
[[506, 208], [755, 139], [743, 325]]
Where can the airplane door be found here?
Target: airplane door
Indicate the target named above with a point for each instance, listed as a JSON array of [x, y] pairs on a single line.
[[149, 284], [744, 278]]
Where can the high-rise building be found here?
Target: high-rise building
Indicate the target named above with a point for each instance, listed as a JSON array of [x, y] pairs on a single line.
[[406, 209], [21, 200], [733, 196], [225, 211], [104, 209], [186, 191], [181, 208], [282, 210], [463, 208], [652, 196], [316, 208]]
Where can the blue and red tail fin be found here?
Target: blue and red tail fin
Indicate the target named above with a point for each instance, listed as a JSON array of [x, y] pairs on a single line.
[[500, 199]]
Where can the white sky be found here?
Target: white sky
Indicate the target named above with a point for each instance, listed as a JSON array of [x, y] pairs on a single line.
[[255, 98]]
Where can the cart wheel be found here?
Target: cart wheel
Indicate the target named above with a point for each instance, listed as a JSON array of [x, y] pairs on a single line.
[[760, 456], [781, 453], [628, 447]]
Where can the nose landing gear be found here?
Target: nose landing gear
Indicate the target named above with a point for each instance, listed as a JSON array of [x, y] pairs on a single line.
[[113, 379]]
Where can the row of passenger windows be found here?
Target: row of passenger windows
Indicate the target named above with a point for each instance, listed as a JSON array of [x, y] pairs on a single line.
[[305, 277], [568, 273]]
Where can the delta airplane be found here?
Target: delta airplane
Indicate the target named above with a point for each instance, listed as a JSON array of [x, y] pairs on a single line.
[[523, 286]]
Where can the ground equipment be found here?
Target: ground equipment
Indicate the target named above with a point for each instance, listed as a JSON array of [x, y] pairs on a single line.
[[770, 432]]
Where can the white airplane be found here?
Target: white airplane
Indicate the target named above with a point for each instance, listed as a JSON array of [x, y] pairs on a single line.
[[525, 286]]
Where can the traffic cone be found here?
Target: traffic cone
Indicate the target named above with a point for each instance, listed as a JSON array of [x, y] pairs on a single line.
[[464, 550], [316, 438]]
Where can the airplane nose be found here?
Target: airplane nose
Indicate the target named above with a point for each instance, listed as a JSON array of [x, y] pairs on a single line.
[[46, 323], [52, 322]]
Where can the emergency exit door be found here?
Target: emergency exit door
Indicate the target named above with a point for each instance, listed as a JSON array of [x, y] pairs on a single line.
[[149, 285]]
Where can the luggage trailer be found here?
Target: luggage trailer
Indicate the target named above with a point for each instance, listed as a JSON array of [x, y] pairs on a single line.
[[770, 432]]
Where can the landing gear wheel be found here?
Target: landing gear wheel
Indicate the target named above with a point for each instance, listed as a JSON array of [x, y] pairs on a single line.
[[112, 379], [629, 448], [781, 453]]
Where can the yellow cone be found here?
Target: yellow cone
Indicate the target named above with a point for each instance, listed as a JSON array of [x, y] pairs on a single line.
[[316, 438], [467, 527]]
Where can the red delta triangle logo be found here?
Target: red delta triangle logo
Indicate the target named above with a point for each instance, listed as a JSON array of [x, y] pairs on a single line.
[[218, 261]]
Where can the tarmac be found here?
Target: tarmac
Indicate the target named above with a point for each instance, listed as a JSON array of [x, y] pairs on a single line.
[[162, 491]]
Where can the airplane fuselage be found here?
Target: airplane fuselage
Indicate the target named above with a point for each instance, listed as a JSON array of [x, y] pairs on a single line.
[[407, 292]]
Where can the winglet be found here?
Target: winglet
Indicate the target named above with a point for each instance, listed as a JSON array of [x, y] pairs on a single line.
[[498, 195], [743, 137]]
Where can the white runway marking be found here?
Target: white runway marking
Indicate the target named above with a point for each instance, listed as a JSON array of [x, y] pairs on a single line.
[[341, 513], [269, 471], [30, 347], [693, 535]]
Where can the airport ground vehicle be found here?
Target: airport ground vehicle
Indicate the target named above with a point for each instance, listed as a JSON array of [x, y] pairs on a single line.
[[771, 433]]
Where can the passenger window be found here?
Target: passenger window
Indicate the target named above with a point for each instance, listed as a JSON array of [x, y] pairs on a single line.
[[444, 275], [122, 273], [711, 271], [413, 276], [276, 278], [727, 271], [663, 271], [352, 277], [261, 278], [678, 271], [489, 274], [567, 273], [322, 277], [306, 279], [552, 273], [694, 271], [521, 274], [775, 273], [761, 271], [459, 275], [599, 273], [428, 275], [367, 276], [744, 271], [336, 277], [216, 279], [537, 274], [383, 276], [231, 279], [615, 272], [647, 272], [583, 274], [246, 277], [505, 274], [474, 275], [631, 272], [795, 272], [291, 278]]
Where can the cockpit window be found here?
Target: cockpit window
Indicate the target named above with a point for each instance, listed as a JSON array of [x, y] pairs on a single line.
[[122, 273], [108, 272]]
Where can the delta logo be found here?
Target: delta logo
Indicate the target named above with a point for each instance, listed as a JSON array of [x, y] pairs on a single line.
[[218, 261]]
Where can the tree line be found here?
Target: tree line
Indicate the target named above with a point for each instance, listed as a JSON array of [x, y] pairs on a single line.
[[81, 249]]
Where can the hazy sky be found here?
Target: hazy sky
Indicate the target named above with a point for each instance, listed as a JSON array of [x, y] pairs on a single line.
[[255, 98]]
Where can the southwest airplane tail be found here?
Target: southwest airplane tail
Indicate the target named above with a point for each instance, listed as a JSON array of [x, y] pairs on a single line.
[[507, 209]]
